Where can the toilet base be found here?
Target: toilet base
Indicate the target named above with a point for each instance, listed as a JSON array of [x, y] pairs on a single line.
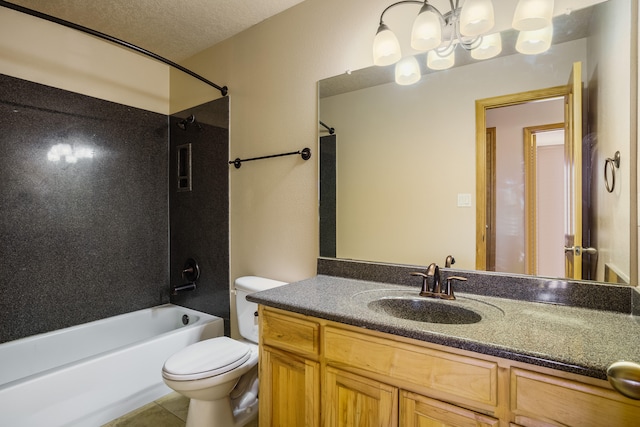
[[217, 413]]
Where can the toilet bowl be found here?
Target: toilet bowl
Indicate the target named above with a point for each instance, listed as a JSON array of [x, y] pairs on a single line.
[[220, 375]]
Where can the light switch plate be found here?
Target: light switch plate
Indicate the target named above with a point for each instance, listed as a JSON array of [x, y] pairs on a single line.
[[464, 200]]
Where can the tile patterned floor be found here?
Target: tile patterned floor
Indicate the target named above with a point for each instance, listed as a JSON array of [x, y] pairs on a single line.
[[168, 411]]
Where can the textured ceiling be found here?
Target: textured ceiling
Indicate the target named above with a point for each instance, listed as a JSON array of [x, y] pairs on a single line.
[[174, 29]]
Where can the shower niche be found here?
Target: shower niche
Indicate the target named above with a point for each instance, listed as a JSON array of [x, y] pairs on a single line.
[[184, 167]]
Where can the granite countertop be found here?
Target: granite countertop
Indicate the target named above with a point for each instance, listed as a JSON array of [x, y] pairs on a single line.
[[577, 340]]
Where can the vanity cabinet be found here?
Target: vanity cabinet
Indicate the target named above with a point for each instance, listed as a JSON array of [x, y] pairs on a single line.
[[316, 372], [289, 371]]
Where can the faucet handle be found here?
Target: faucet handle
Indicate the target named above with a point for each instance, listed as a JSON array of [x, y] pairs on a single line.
[[448, 290], [425, 284]]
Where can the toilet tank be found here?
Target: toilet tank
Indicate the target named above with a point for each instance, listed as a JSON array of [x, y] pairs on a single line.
[[245, 310]]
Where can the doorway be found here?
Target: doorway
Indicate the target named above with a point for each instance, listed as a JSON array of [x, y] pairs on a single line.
[[508, 243], [544, 199]]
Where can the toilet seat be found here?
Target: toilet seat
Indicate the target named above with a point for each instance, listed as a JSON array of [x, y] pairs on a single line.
[[206, 359]]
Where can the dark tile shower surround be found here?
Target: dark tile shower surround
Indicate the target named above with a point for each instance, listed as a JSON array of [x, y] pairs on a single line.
[[199, 219], [86, 240]]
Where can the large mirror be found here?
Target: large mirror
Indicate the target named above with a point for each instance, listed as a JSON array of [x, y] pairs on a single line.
[[398, 163]]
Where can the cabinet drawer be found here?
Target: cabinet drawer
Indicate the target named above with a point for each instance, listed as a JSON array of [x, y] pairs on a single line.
[[463, 377], [538, 397], [289, 333], [417, 411]]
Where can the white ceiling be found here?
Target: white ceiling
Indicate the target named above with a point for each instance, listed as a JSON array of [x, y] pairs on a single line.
[[174, 29]]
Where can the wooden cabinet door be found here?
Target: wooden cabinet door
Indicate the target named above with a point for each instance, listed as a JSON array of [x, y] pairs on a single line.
[[354, 401], [289, 390], [421, 411]]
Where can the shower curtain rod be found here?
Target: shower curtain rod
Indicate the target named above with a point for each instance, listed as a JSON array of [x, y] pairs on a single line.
[[223, 90], [330, 129]]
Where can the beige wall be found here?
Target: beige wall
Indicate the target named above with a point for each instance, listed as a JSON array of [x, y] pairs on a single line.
[[609, 75], [271, 71], [550, 255], [43, 52]]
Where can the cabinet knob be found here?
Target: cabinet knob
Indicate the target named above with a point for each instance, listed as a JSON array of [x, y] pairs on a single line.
[[625, 378]]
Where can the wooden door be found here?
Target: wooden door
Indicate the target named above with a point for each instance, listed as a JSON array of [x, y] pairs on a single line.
[[289, 390], [573, 174], [354, 401]]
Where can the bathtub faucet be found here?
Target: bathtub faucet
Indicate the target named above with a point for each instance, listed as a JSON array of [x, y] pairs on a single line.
[[175, 290], [190, 272]]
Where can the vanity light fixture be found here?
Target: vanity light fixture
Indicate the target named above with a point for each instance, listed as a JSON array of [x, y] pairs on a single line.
[[408, 71], [468, 24], [386, 48], [476, 17], [438, 61], [535, 41], [491, 46], [533, 15]]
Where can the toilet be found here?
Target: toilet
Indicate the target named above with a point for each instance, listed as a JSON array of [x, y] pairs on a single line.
[[220, 375]]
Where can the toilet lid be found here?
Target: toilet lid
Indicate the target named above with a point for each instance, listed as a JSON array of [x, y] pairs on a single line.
[[206, 359]]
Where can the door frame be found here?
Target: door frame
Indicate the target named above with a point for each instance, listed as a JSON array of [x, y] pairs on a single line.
[[490, 202], [482, 105]]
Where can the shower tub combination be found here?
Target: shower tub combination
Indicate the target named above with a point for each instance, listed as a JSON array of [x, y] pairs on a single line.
[[89, 374]]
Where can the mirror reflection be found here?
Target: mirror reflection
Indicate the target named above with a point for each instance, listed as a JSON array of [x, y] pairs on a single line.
[[402, 180]]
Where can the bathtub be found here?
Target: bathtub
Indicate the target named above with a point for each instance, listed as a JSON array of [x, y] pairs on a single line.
[[89, 374]]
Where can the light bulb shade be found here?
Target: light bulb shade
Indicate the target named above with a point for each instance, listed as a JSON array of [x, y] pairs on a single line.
[[407, 71], [437, 62], [426, 32], [491, 46], [386, 48], [533, 15], [534, 42], [476, 17]]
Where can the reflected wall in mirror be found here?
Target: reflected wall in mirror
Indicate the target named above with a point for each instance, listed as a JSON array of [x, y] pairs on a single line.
[[405, 172]]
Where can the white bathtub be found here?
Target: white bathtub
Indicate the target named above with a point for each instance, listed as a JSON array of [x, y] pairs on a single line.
[[89, 374]]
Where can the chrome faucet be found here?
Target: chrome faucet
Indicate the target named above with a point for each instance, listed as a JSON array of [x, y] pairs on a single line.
[[435, 291]]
